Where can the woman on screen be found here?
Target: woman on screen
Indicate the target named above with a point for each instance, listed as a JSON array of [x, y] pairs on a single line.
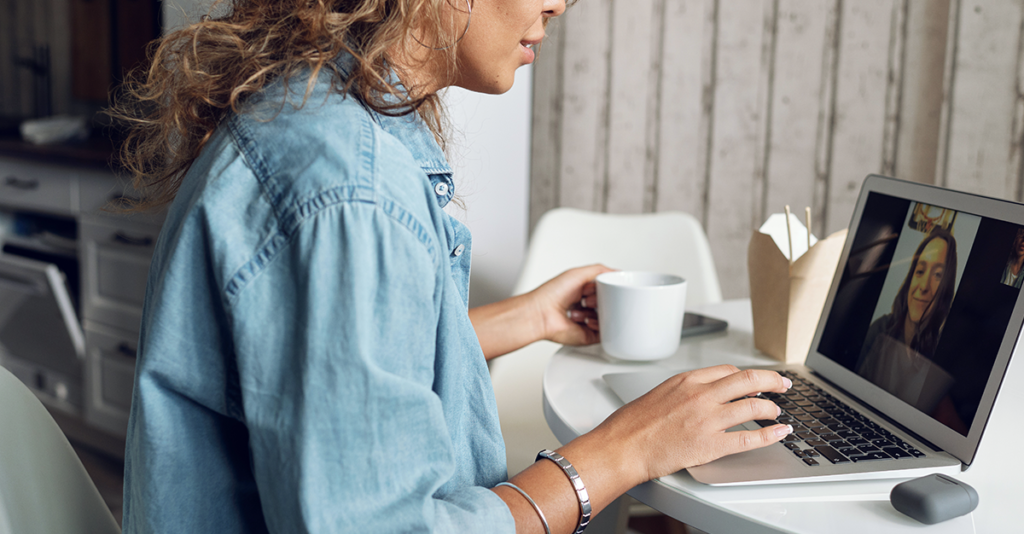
[[898, 348], [1011, 274]]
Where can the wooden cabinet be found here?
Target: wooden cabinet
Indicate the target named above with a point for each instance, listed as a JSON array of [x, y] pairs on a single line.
[[72, 282], [115, 258], [110, 374], [37, 186], [109, 38], [91, 45]]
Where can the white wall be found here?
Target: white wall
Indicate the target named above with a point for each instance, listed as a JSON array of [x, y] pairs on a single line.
[[489, 151]]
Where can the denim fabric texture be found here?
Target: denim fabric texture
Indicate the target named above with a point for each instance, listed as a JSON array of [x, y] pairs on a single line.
[[306, 361]]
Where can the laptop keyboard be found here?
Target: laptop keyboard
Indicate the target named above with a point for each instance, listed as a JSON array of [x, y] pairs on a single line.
[[827, 429]]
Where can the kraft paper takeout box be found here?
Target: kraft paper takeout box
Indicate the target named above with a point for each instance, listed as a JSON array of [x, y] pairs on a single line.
[[787, 299]]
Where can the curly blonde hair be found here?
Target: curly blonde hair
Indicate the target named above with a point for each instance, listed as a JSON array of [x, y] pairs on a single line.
[[202, 72]]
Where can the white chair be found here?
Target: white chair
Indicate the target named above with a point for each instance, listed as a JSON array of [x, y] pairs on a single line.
[[44, 488], [669, 242]]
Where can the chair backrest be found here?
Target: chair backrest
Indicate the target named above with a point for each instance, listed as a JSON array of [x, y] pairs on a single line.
[[44, 487], [668, 242]]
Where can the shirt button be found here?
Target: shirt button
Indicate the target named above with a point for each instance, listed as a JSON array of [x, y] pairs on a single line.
[[441, 188], [459, 250]]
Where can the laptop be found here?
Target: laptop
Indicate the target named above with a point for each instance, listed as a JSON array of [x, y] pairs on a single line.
[[921, 320]]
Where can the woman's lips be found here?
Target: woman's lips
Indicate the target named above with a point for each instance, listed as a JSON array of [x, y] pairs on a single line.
[[920, 306], [527, 47]]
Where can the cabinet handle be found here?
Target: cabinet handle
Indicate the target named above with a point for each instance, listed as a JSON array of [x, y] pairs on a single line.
[[18, 183], [126, 350], [125, 239]]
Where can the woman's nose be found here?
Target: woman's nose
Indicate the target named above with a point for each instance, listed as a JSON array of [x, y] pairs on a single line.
[[554, 8]]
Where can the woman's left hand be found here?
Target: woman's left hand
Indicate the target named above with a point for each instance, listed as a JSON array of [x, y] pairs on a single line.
[[563, 310], [568, 306]]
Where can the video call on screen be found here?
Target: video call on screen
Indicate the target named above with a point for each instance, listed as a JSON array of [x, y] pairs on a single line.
[[923, 303]]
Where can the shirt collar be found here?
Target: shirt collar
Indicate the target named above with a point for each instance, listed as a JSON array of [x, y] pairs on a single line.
[[411, 131]]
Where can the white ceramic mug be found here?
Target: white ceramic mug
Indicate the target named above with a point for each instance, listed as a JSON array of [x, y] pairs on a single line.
[[641, 314]]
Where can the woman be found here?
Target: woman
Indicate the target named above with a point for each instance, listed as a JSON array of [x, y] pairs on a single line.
[[898, 348], [1011, 273], [307, 361]]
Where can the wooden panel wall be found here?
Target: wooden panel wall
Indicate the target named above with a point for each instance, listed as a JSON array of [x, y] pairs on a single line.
[[737, 80], [729, 110], [983, 110]]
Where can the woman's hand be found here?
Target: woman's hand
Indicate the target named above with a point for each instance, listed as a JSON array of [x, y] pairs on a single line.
[[563, 310], [682, 422], [679, 424], [567, 305]]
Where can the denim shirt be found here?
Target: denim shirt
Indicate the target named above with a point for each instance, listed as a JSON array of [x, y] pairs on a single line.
[[306, 361]]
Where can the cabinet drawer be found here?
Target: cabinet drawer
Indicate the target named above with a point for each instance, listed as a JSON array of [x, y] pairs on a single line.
[[37, 186], [115, 258], [98, 190], [54, 388], [110, 360]]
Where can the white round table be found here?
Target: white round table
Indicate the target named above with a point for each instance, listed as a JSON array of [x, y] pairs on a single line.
[[576, 399]]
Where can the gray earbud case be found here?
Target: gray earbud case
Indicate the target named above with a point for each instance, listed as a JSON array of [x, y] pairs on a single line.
[[934, 498]]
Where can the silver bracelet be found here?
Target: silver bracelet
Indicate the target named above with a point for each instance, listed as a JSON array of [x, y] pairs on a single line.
[[577, 484], [543, 520]]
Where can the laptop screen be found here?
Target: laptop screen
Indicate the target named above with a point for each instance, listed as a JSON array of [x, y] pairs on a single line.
[[923, 303]]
